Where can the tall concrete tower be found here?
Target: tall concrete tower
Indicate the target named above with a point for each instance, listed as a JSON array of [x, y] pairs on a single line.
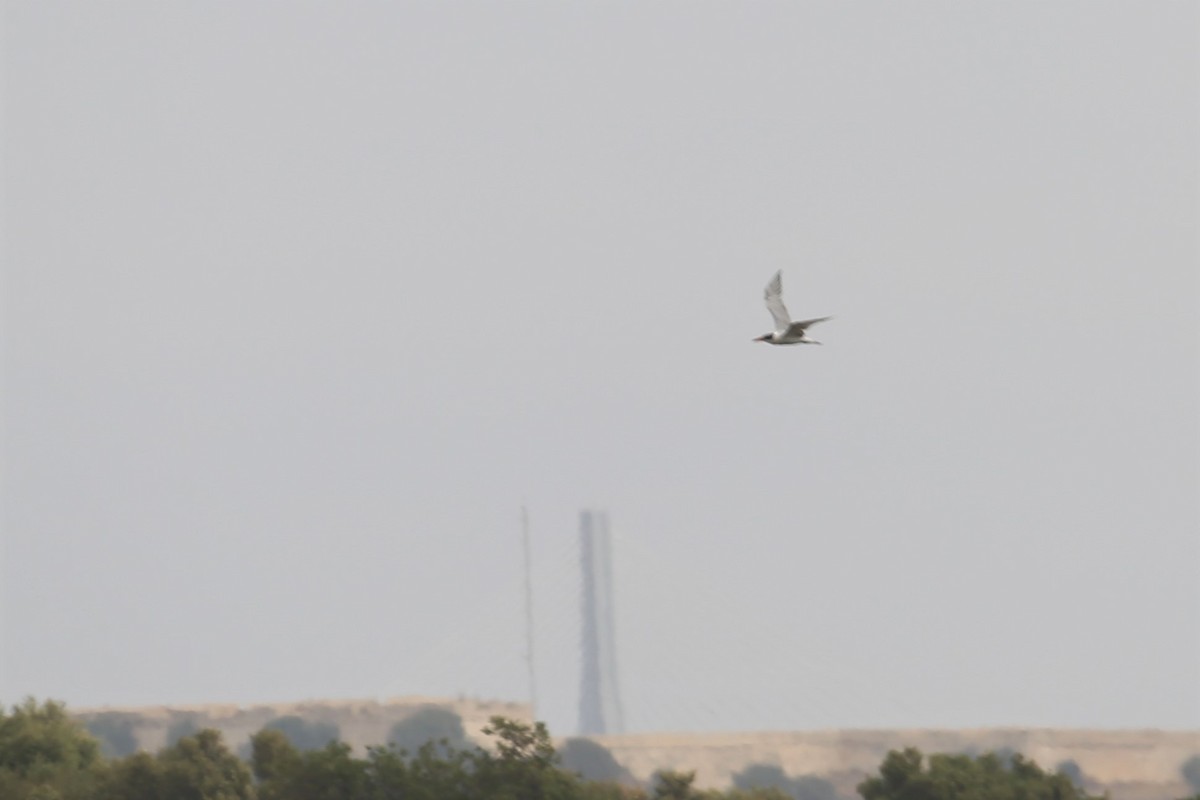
[[599, 700]]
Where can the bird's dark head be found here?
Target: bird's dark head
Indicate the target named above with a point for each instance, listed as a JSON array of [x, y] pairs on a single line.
[[766, 337]]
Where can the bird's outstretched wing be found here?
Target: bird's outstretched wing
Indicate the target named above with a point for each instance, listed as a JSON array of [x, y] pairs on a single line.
[[800, 326], [774, 297]]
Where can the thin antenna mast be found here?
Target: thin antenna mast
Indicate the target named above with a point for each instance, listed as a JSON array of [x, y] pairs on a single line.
[[528, 612]]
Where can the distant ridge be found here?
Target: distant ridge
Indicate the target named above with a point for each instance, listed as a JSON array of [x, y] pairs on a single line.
[[1129, 764], [360, 722]]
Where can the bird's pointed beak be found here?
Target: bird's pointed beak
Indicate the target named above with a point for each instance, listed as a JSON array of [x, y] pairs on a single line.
[[761, 338]]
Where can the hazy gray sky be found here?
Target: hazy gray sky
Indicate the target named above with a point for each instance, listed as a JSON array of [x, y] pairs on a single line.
[[303, 300]]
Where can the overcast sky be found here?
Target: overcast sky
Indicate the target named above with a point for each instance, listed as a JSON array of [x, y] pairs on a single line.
[[302, 301]]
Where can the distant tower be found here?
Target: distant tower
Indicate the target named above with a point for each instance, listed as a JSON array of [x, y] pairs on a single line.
[[599, 702]]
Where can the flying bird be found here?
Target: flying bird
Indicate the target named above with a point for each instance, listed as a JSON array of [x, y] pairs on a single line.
[[786, 331]]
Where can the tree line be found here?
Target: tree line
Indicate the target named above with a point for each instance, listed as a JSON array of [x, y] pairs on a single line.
[[46, 755]]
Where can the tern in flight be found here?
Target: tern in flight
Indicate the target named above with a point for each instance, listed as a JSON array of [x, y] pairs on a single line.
[[786, 331]]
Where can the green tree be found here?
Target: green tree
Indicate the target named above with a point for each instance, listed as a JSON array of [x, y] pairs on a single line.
[[436, 772], [904, 775], [674, 785], [389, 775], [758, 793], [608, 790], [46, 754], [114, 730], [330, 773], [272, 754], [524, 765], [35, 737], [428, 724], [136, 777], [201, 767]]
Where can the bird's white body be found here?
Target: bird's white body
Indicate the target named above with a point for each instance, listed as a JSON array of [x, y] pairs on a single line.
[[786, 331], [786, 337]]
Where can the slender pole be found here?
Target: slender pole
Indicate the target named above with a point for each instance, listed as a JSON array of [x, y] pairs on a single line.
[[528, 612]]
